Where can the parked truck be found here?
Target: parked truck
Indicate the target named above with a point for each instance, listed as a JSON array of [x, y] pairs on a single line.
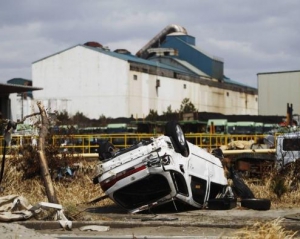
[[271, 153]]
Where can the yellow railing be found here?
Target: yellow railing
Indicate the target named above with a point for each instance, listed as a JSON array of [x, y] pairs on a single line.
[[90, 143]]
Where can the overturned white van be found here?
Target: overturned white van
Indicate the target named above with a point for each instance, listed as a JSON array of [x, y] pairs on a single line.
[[168, 169]]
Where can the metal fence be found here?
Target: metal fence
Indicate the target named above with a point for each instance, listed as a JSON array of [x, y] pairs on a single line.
[[90, 143]]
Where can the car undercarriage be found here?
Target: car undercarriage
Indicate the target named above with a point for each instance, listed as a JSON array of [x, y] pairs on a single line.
[[170, 169]]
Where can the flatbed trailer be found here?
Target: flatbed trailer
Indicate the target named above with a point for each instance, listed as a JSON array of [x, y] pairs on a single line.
[[252, 162]]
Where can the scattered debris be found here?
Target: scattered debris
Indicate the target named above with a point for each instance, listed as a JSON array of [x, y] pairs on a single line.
[[17, 208], [14, 208], [95, 228]]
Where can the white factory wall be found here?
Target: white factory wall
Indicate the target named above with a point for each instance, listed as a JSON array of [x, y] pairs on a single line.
[[144, 96], [276, 90], [90, 82], [94, 83]]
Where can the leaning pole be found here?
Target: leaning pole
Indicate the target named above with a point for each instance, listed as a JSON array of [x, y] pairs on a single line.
[[50, 191]]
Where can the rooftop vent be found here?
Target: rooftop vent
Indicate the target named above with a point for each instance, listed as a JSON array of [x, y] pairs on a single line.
[[93, 44], [122, 51]]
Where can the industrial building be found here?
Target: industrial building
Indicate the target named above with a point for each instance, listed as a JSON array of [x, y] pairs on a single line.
[[94, 80], [276, 90], [16, 98]]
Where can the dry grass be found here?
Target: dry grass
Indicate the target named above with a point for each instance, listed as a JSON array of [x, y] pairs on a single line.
[[70, 191], [80, 188], [264, 188], [266, 230], [75, 191]]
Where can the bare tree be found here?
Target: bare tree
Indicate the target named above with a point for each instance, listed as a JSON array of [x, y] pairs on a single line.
[[43, 132]]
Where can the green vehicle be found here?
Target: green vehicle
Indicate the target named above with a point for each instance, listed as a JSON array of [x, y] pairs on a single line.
[[259, 128], [269, 128], [231, 127], [217, 126], [245, 127]]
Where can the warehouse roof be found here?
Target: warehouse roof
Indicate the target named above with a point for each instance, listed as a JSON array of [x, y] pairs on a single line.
[[6, 89], [133, 58], [126, 57]]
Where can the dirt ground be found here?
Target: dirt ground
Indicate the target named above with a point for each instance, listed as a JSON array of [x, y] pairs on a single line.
[[161, 223], [160, 231], [16, 231]]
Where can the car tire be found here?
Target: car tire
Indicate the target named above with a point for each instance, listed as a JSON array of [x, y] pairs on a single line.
[[221, 203], [174, 131], [239, 186], [105, 150], [260, 204]]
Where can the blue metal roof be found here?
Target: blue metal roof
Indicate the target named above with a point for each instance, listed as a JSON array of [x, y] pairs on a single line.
[[125, 57], [230, 81], [188, 52], [133, 58], [184, 64]]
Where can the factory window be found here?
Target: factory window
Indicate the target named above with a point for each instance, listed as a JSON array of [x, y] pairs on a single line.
[[184, 86], [135, 77], [227, 93]]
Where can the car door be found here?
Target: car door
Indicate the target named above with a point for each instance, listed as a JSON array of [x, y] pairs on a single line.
[[198, 170]]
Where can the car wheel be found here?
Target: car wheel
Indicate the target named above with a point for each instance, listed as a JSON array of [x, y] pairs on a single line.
[[256, 203], [174, 131], [239, 186], [105, 150], [221, 203]]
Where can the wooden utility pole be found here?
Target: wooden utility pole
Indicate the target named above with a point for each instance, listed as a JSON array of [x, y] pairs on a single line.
[[50, 191]]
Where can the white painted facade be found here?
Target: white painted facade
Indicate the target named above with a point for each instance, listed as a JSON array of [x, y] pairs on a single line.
[[173, 91], [276, 90], [83, 80], [21, 107]]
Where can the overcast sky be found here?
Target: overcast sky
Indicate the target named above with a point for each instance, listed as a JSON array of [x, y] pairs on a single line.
[[251, 36]]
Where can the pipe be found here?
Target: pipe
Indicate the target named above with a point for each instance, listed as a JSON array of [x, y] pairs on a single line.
[[160, 37], [241, 151]]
